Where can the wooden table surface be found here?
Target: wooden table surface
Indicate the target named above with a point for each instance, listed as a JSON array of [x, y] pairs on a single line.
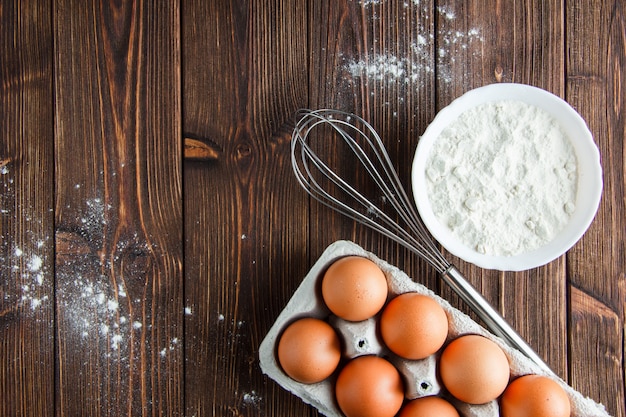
[[151, 228]]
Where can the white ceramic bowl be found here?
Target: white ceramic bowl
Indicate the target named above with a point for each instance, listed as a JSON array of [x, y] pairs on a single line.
[[589, 175]]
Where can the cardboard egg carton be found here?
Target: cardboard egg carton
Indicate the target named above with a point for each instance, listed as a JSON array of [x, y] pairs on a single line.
[[361, 338]]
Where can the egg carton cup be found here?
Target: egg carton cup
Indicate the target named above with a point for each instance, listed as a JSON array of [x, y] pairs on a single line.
[[361, 338]]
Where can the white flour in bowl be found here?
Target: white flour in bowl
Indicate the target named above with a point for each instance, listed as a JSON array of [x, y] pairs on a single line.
[[503, 177]]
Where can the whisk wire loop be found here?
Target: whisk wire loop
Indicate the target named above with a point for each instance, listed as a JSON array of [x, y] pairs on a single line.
[[375, 160]]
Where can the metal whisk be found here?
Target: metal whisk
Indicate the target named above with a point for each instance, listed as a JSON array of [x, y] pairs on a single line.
[[330, 189]]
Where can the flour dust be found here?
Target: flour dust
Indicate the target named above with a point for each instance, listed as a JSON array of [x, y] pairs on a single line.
[[94, 309], [419, 62], [23, 264]]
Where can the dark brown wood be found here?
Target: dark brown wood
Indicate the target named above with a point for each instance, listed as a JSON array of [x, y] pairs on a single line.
[[26, 200], [596, 351], [366, 60], [245, 75], [151, 229], [118, 208], [595, 82]]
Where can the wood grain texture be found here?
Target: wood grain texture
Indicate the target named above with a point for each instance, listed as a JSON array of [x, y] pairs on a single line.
[[597, 351], [595, 81], [245, 75], [118, 208], [373, 59], [26, 221]]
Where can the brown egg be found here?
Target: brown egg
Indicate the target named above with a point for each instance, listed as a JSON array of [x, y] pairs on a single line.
[[534, 396], [414, 326], [309, 350], [354, 288], [428, 407], [474, 369], [369, 386]]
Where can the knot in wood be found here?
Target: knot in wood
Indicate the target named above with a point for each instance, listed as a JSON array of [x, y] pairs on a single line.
[[243, 150], [244, 159], [135, 261], [498, 71]]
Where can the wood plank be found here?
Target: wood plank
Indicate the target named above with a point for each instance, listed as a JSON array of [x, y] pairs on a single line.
[[373, 59], [245, 75], [118, 208], [481, 43], [26, 201], [595, 80], [597, 351]]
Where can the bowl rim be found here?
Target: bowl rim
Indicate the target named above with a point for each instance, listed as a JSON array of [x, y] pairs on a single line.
[[589, 187]]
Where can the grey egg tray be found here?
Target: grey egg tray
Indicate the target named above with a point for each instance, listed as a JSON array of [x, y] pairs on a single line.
[[361, 338]]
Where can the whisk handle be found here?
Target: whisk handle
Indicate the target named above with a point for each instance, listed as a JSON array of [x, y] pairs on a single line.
[[490, 316]]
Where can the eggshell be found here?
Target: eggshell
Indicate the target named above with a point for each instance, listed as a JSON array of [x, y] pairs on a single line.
[[309, 350], [354, 288], [534, 396], [413, 325], [369, 386], [474, 369], [428, 407], [306, 302]]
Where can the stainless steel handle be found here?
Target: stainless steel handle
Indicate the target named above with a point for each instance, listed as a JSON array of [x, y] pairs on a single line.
[[492, 319]]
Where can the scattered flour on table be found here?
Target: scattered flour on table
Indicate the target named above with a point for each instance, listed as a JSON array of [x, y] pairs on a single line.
[[88, 305], [251, 398], [22, 263], [371, 2], [503, 178], [446, 12], [95, 311], [93, 305], [31, 275], [411, 69], [174, 342]]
